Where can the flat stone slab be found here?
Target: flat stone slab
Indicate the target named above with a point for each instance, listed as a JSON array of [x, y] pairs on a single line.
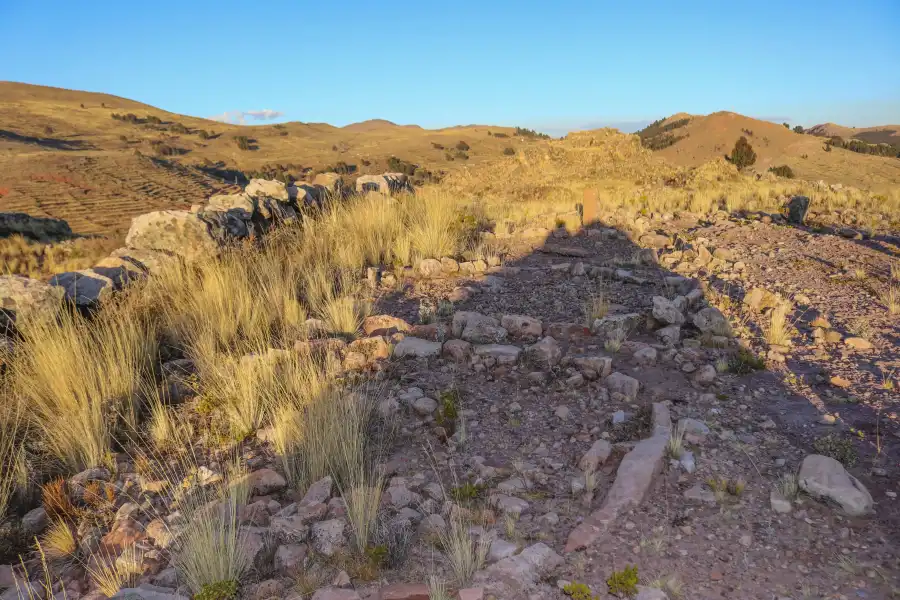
[[633, 480], [417, 347]]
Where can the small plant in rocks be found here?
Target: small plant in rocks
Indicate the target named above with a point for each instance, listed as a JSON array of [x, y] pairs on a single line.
[[840, 449], [223, 590], [579, 591], [623, 584], [745, 362]]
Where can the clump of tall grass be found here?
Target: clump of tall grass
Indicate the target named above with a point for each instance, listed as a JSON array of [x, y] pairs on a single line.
[[332, 433], [464, 553], [11, 456], [778, 332], [82, 381], [110, 573], [363, 499]]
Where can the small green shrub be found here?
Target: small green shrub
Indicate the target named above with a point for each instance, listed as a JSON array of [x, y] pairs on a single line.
[[798, 129], [223, 590], [204, 134], [462, 146], [461, 155], [840, 449], [437, 146], [579, 591], [745, 362], [623, 583], [468, 492], [742, 155], [242, 142], [509, 151], [448, 411], [179, 128]]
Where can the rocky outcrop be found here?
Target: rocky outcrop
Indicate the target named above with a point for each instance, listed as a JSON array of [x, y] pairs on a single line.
[[387, 184], [180, 232], [36, 228], [22, 299]]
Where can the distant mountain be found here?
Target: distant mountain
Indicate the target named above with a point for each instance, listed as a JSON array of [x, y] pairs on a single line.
[[691, 140]]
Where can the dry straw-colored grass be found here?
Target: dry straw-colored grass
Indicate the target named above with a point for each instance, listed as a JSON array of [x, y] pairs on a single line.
[[82, 380]]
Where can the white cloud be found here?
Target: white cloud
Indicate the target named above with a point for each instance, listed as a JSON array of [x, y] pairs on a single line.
[[240, 117]]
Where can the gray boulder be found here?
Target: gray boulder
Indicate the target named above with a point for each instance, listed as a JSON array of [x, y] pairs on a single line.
[[797, 207], [83, 288], [267, 188], [824, 477], [179, 232], [37, 228], [23, 299], [387, 184]]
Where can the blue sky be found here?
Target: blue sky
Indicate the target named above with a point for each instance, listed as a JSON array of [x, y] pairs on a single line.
[[552, 65]]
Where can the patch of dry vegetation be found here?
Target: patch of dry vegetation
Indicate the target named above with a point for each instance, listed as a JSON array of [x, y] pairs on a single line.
[[21, 256]]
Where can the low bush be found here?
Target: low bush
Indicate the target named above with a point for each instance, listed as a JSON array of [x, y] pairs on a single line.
[[461, 146], [508, 151], [782, 171], [242, 141]]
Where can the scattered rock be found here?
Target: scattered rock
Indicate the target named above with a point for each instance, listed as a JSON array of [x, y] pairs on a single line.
[[824, 477]]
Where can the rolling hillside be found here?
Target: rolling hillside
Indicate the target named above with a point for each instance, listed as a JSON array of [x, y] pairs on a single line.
[[883, 134], [714, 135], [64, 155]]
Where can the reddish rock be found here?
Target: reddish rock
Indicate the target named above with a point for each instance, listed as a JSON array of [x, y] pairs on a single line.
[[405, 591], [384, 325], [125, 532]]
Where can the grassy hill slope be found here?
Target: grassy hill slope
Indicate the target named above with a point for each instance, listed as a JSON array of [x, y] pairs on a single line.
[[62, 154], [712, 136]]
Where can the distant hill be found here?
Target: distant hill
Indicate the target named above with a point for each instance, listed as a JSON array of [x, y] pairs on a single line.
[[882, 134], [96, 160], [691, 140]]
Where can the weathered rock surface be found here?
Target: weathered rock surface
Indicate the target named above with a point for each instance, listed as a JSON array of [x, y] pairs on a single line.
[[824, 477]]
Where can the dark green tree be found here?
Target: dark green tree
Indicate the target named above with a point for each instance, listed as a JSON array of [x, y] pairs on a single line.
[[742, 155], [798, 129]]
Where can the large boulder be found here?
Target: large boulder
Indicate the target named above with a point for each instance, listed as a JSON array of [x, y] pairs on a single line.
[[38, 228], [332, 182], [514, 576], [306, 194], [242, 205], [389, 183], [84, 288], [180, 232], [267, 188], [824, 477], [797, 207], [711, 320], [23, 299], [144, 260], [477, 328], [666, 311]]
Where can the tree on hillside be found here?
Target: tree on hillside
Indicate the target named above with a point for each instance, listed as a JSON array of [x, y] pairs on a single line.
[[743, 155], [798, 129], [786, 126]]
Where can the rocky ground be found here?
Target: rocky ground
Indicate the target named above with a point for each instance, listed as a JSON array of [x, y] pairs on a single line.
[[591, 403]]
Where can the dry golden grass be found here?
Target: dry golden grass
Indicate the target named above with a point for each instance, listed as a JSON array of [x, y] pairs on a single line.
[[21, 256], [59, 542], [82, 381], [11, 456], [778, 332], [110, 573]]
